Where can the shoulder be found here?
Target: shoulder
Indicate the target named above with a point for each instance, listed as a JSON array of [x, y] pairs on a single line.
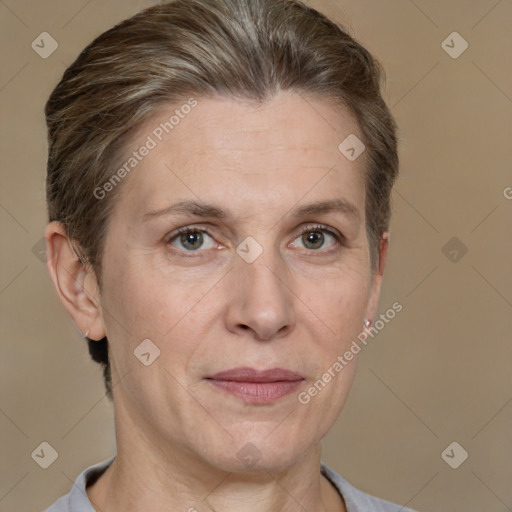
[[359, 501], [76, 500], [63, 504]]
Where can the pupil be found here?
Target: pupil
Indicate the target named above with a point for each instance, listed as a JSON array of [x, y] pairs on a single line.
[[192, 240], [315, 238]]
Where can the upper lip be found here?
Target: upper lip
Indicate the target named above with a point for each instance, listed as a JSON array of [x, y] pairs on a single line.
[[247, 374]]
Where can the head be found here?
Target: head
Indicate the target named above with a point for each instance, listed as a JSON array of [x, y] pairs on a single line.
[[239, 107]]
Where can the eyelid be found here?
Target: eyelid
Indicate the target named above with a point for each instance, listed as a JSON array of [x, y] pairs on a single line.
[[312, 226], [340, 238], [191, 228]]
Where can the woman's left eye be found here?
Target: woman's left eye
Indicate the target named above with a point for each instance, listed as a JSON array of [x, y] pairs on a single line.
[[316, 237]]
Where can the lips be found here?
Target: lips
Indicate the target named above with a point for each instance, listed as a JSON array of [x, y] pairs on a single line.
[[256, 386], [247, 374]]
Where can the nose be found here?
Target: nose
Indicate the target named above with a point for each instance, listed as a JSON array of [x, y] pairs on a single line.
[[261, 300]]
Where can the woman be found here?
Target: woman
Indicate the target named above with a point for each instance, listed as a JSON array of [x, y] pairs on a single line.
[[218, 184]]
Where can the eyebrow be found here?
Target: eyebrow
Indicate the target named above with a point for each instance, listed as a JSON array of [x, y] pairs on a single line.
[[200, 209]]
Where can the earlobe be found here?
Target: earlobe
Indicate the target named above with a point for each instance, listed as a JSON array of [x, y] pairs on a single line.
[[74, 281]]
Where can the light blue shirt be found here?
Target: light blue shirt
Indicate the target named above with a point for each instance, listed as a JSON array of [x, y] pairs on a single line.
[[355, 500]]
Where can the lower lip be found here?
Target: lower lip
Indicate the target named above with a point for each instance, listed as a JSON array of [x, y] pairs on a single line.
[[258, 392]]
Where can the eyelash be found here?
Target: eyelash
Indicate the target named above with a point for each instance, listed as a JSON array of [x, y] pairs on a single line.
[[338, 237]]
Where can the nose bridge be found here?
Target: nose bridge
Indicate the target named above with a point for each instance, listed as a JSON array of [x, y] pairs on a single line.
[[263, 301]]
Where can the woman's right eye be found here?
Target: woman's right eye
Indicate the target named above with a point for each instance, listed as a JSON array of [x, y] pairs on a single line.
[[191, 240]]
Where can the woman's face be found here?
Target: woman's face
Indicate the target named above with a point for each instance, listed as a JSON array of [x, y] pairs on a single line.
[[269, 276]]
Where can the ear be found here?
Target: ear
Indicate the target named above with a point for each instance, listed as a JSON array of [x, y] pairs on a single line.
[[75, 282], [373, 301]]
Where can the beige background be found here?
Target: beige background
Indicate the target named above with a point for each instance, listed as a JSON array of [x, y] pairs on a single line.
[[439, 372]]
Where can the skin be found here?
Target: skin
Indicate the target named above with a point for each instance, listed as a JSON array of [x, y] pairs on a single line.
[[298, 306]]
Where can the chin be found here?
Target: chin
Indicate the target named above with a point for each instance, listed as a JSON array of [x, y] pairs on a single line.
[[264, 453]]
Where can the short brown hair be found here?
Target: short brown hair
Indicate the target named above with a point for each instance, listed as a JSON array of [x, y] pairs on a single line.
[[241, 49]]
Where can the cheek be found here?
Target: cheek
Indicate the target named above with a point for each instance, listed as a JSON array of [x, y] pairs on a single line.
[[337, 309], [135, 295], [132, 311], [340, 306], [140, 304], [340, 293]]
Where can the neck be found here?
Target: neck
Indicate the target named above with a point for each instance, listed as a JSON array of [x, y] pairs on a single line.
[[129, 486], [147, 481], [153, 475]]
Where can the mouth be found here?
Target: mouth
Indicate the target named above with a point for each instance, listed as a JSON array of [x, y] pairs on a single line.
[[255, 386]]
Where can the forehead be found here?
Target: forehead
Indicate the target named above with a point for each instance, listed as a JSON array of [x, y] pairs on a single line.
[[284, 148]]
